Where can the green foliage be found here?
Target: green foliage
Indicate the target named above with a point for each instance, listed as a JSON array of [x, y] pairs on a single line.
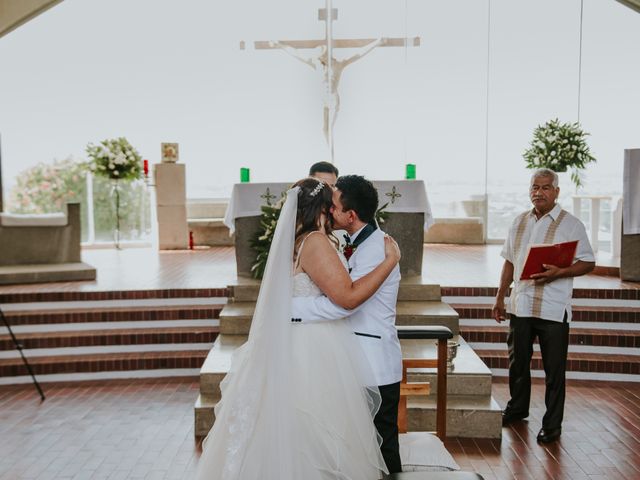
[[559, 146], [46, 188], [261, 241], [115, 159]]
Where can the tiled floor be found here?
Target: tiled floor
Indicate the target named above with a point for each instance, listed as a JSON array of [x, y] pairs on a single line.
[[144, 269], [130, 430]]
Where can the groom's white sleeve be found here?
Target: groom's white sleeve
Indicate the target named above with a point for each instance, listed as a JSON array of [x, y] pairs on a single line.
[[317, 309]]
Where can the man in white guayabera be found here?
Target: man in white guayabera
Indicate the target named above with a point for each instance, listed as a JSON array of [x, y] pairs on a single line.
[[540, 307]]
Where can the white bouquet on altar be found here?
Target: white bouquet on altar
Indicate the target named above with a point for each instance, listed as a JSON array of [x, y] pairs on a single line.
[[115, 159]]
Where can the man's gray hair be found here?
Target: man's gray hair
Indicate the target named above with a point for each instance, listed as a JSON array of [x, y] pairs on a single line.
[[546, 172]]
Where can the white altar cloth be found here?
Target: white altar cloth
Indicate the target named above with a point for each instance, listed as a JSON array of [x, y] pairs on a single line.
[[408, 196]]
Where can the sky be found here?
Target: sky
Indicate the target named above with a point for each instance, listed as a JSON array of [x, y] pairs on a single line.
[[462, 106]]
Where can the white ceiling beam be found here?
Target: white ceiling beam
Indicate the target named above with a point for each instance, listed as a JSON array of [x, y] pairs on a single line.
[[633, 4], [14, 13]]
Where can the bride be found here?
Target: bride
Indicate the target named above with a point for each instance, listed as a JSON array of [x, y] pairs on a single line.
[[297, 402]]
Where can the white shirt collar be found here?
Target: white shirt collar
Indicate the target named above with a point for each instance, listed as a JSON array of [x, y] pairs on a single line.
[[553, 213]]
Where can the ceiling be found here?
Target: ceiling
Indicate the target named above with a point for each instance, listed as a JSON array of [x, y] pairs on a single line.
[[14, 13]]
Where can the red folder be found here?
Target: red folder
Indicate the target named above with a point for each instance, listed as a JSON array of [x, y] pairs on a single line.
[[559, 254]]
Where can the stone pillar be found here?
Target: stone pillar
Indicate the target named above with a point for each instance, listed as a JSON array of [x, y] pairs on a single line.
[[246, 229], [408, 230], [630, 247], [171, 204], [1, 197]]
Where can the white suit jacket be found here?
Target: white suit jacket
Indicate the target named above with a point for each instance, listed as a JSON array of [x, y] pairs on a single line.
[[373, 321]]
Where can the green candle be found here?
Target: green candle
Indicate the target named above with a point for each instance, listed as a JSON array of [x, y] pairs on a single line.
[[244, 175], [410, 171]]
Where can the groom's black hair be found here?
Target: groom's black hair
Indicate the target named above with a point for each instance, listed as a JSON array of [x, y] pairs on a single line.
[[358, 194]]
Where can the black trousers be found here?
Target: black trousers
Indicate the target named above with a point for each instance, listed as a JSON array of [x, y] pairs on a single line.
[[553, 338], [386, 422]]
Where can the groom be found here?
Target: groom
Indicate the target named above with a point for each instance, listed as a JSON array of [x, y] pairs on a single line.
[[355, 201]]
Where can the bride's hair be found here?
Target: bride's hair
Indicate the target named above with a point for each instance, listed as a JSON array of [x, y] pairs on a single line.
[[314, 199]]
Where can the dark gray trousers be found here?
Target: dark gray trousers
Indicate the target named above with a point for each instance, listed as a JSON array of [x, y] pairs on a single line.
[[553, 338]]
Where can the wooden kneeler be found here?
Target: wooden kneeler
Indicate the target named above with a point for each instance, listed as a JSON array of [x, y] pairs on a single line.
[[407, 389]]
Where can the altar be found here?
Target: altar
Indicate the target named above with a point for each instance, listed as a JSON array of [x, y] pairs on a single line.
[[406, 202]]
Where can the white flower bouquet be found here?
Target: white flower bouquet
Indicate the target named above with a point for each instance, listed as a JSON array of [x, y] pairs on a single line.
[[559, 146], [115, 159]]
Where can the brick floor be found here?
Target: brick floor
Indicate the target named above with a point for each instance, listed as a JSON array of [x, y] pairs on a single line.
[[128, 430]]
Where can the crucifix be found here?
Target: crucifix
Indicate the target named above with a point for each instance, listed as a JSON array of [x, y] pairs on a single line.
[[328, 67]]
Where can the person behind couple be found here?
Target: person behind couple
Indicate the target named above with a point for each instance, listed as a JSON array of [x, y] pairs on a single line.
[[296, 403], [355, 202], [540, 307], [325, 171]]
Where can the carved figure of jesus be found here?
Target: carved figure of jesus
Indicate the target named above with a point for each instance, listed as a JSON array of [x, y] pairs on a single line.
[[330, 78]]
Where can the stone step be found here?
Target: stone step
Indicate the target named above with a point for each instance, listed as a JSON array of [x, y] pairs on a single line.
[[128, 336], [427, 313], [587, 362], [111, 314], [105, 362], [577, 336], [467, 416], [416, 288], [87, 295], [50, 272], [236, 317], [625, 293], [579, 313], [470, 378], [218, 363], [470, 416], [411, 288]]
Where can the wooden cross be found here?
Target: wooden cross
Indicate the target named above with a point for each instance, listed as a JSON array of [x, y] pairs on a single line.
[[267, 196], [329, 66], [393, 194]]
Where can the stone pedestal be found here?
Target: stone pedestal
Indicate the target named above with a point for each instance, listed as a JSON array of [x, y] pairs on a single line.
[[171, 204], [630, 258], [246, 228], [630, 247], [408, 230]]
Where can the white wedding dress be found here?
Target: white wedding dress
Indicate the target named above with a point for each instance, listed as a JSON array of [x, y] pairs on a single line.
[[295, 405]]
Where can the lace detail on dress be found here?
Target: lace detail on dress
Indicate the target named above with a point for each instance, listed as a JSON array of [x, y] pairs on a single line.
[[303, 286], [241, 421]]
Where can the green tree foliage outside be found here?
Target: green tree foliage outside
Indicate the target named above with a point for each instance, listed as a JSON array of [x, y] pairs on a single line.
[[47, 187]]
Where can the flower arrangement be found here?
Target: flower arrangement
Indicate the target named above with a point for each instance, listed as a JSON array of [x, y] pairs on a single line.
[[559, 146], [115, 159], [261, 241], [118, 160]]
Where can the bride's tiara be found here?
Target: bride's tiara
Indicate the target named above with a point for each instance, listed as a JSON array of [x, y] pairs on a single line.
[[316, 190]]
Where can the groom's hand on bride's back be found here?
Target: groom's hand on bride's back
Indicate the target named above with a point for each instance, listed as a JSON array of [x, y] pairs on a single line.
[[391, 248]]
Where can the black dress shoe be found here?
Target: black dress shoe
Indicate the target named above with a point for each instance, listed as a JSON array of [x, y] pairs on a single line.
[[510, 417], [548, 435]]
